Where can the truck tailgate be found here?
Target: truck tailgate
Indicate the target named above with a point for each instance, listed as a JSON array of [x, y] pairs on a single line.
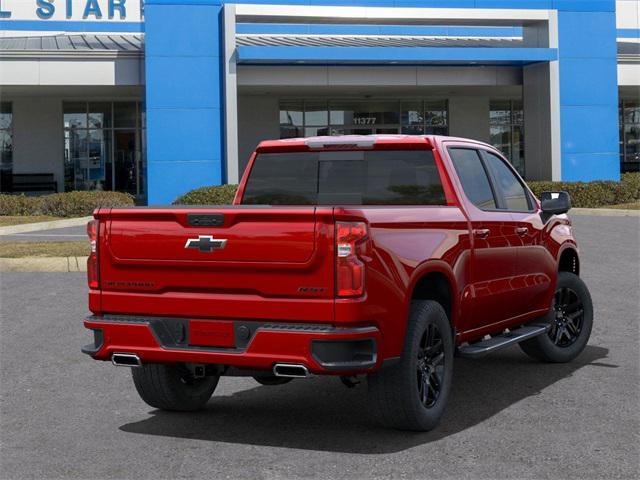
[[250, 263]]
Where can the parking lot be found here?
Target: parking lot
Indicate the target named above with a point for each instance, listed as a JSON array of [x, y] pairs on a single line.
[[66, 416]]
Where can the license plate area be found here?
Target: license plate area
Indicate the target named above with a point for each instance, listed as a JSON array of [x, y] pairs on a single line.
[[211, 333]]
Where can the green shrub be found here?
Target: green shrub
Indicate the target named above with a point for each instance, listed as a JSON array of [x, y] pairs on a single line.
[[19, 205], [79, 204], [68, 204], [218, 195], [595, 194], [630, 184]]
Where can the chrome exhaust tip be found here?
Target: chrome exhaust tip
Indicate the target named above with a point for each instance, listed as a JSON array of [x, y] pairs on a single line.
[[126, 360], [290, 370]]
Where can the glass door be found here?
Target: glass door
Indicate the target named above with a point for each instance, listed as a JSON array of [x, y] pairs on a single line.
[[127, 162], [104, 147]]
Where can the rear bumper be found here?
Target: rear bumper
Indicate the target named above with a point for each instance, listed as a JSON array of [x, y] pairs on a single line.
[[323, 349]]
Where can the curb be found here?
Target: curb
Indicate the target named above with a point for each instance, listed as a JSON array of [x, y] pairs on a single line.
[[605, 212], [44, 264], [40, 226]]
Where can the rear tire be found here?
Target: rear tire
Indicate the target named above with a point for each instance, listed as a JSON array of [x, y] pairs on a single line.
[[173, 387], [271, 380], [412, 394], [571, 322]]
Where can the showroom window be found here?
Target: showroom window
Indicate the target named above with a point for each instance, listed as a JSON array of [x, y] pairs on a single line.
[[306, 118], [104, 147], [630, 136], [506, 124], [6, 146]]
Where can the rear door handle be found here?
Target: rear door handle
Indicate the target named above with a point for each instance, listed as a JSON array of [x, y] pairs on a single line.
[[522, 231], [481, 232]]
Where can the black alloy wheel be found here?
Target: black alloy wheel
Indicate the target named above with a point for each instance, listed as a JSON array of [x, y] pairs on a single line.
[[570, 322], [569, 317], [430, 366]]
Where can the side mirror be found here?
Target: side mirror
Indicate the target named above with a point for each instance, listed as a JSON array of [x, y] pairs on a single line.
[[555, 203]]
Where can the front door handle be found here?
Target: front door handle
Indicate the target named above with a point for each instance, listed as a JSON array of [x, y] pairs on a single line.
[[522, 231], [481, 233]]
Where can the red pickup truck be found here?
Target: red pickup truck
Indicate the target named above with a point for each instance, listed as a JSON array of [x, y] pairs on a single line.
[[382, 256]]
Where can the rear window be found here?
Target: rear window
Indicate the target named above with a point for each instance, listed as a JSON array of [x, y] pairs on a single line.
[[401, 177]]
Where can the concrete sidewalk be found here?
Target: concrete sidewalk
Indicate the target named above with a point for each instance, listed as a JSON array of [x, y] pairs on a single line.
[[41, 226], [65, 234], [605, 212], [44, 264]]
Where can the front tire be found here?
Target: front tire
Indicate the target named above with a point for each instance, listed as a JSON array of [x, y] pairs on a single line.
[[412, 394], [571, 322], [173, 387]]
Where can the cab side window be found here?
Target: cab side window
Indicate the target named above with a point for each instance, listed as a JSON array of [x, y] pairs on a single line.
[[473, 177], [510, 189]]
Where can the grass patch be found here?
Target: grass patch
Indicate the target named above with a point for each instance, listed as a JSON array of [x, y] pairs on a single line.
[[44, 249], [626, 206], [8, 220]]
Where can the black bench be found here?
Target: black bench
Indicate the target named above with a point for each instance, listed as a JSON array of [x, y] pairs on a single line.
[[33, 182]]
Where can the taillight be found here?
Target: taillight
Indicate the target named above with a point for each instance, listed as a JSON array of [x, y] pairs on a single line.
[[349, 267], [93, 273]]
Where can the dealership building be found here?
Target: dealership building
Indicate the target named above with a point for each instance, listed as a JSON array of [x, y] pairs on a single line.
[[156, 98]]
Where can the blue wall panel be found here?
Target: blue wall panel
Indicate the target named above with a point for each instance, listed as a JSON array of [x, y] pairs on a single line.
[[188, 86], [540, 4], [185, 134], [590, 75], [584, 129], [586, 167], [201, 32], [585, 5], [626, 32], [587, 35], [185, 138], [177, 176], [588, 95]]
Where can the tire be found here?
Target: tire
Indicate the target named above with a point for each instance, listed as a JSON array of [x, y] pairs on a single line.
[[270, 380], [172, 387], [396, 393], [571, 320]]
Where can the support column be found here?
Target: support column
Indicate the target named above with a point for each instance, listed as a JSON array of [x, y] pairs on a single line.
[[469, 117], [541, 103], [38, 141], [588, 95], [231, 96], [540, 136], [184, 101]]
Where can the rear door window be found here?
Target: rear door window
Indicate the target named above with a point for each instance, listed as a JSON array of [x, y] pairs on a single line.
[[473, 177], [372, 177], [511, 191]]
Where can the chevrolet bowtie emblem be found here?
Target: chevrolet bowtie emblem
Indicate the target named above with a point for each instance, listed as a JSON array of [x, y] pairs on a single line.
[[206, 243]]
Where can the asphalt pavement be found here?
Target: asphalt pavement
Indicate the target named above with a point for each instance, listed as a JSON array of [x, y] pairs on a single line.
[[66, 416]]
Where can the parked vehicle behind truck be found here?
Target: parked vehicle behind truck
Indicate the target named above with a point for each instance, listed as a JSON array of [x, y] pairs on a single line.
[[382, 256]]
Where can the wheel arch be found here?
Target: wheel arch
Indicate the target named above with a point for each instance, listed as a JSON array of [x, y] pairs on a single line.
[[569, 260], [434, 280]]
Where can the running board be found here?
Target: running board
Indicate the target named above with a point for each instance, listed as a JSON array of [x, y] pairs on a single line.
[[483, 347]]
